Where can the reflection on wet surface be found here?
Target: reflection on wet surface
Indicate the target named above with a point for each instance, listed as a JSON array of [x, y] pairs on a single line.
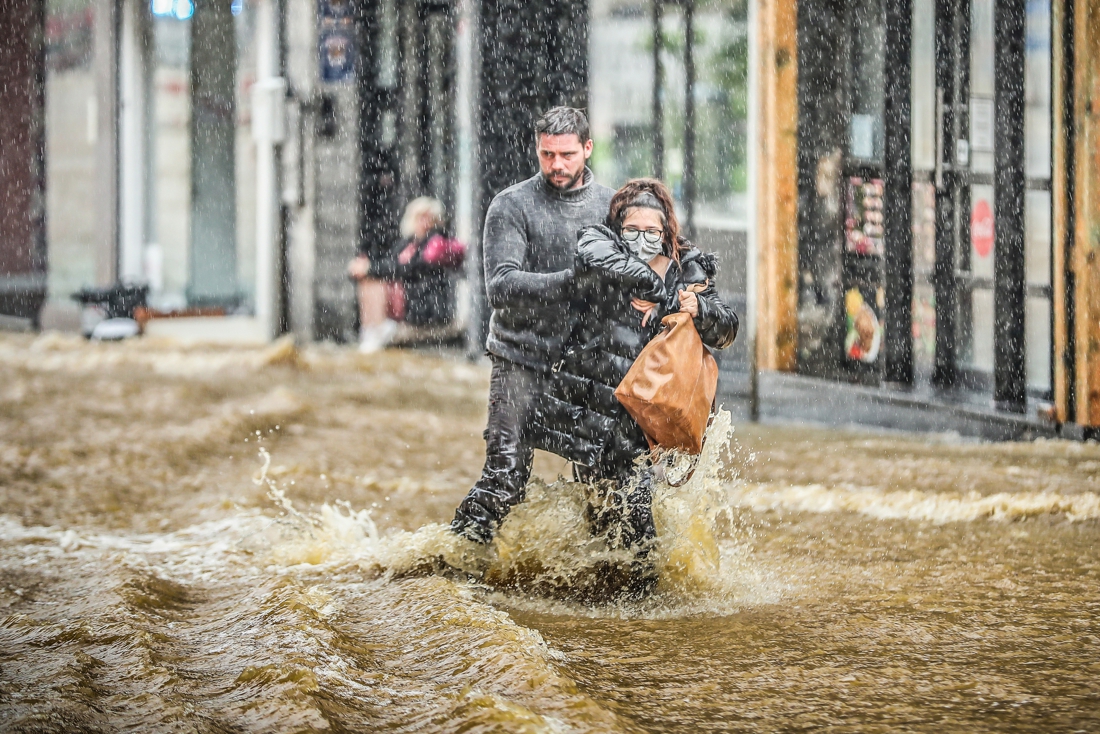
[[153, 577]]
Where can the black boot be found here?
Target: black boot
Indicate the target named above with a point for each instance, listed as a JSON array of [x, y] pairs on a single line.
[[639, 534], [638, 528], [478, 531]]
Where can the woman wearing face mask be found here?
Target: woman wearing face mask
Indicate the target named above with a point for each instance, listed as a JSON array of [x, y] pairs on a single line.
[[629, 274]]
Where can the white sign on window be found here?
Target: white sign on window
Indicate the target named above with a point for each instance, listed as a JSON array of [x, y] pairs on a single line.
[[862, 139], [981, 124]]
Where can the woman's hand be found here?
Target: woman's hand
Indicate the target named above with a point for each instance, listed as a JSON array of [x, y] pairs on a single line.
[[689, 303], [359, 267], [648, 308]]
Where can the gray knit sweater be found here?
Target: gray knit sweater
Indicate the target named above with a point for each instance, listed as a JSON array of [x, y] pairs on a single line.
[[529, 244]]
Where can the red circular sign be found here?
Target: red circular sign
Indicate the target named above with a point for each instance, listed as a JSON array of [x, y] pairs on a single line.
[[981, 228]]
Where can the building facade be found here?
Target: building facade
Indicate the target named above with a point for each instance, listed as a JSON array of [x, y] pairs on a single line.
[[232, 155], [901, 193], [925, 222]]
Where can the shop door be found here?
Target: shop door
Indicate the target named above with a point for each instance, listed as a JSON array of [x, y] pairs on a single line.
[[992, 270], [964, 195], [668, 98]]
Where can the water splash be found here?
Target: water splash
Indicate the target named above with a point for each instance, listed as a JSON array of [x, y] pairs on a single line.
[[546, 547]]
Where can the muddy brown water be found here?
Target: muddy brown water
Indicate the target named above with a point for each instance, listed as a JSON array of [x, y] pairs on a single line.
[[199, 539]]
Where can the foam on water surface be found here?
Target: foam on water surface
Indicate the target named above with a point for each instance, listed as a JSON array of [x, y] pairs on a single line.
[[917, 505]]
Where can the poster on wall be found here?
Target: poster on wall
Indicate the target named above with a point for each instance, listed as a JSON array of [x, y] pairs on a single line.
[[863, 307], [863, 225], [336, 41], [337, 55]]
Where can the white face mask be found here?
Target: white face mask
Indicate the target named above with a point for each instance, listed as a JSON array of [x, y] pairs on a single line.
[[646, 250], [639, 244]]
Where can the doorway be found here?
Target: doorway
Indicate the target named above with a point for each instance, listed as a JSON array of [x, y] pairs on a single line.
[[992, 275]]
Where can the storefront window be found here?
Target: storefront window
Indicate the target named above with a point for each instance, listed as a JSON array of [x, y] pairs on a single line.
[[865, 134], [923, 110], [633, 137], [622, 114], [1037, 211], [924, 293], [1037, 90], [621, 92], [72, 133], [923, 80], [977, 341], [201, 250], [721, 104]]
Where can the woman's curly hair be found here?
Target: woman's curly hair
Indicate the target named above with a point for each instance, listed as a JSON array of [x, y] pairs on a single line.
[[649, 193]]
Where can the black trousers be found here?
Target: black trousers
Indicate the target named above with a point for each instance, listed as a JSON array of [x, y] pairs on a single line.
[[515, 392], [526, 412]]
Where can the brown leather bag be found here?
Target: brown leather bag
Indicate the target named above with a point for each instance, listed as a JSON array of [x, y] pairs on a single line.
[[670, 387]]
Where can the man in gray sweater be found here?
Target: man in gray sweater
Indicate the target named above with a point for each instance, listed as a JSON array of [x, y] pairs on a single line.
[[529, 244]]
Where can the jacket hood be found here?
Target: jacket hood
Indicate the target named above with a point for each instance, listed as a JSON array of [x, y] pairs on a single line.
[[707, 261]]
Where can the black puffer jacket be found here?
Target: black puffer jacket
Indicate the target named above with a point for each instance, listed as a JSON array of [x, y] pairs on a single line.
[[589, 424]]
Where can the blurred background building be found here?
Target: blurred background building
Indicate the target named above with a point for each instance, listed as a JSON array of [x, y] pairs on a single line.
[[902, 193]]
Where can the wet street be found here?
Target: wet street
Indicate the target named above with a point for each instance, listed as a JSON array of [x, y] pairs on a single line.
[[206, 540]]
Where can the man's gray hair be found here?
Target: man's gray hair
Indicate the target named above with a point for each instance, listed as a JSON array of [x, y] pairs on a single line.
[[563, 121]]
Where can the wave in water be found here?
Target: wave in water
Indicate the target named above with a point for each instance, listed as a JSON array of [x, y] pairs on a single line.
[[936, 507], [187, 630]]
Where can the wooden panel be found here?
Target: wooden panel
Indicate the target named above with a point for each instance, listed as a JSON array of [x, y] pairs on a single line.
[[777, 186], [1086, 263]]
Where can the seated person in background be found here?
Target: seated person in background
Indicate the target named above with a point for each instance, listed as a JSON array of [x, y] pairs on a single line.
[[411, 280]]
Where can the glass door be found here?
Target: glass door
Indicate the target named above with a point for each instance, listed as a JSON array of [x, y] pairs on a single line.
[[864, 189], [1038, 243], [966, 181], [973, 160]]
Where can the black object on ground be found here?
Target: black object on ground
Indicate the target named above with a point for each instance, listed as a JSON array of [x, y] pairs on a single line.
[[118, 301]]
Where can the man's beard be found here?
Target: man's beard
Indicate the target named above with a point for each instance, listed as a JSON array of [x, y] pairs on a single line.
[[568, 184]]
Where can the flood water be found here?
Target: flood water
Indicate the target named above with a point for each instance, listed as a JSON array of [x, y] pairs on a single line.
[[236, 540]]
